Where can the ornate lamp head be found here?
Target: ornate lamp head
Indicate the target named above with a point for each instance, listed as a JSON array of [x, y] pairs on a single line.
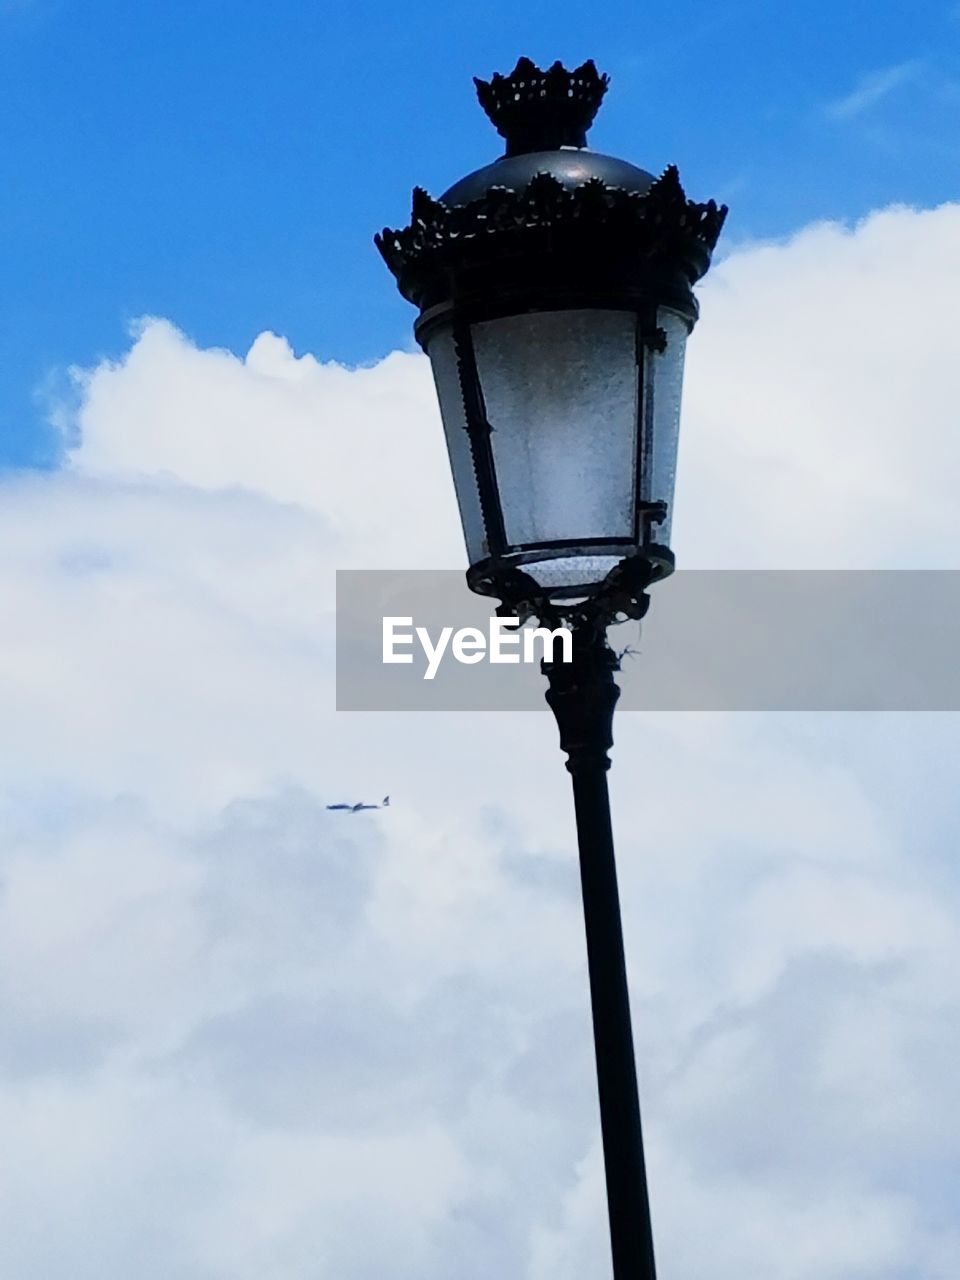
[[555, 289]]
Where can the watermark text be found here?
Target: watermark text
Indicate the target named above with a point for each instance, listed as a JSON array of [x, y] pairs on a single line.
[[504, 642]]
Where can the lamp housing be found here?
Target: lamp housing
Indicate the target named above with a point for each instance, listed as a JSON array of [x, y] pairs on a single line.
[[555, 290]]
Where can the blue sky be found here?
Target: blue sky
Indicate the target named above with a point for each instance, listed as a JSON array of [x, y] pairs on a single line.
[[226, 164]]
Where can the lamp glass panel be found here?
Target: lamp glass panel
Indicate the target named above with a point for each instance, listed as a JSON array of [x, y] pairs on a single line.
[[443, 360], [571, 576], [661, 433], [561, 394]]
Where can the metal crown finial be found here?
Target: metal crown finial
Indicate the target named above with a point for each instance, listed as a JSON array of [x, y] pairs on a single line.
[[537, 110]]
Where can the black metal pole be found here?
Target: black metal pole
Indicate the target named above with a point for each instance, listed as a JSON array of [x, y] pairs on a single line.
[[583, 695]]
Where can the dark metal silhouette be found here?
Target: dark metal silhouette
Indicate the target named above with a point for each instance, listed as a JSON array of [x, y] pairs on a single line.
[[582, 695], [552, 226], [538, 110]]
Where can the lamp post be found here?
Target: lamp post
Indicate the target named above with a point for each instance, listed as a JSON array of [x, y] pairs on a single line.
[[555, 297]]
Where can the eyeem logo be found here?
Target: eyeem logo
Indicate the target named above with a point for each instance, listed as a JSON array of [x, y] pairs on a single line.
[[503, 643]]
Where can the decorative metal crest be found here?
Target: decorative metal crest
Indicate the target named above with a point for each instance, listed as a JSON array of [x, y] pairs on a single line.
[[621, 595], [443, 237], [536, 110]]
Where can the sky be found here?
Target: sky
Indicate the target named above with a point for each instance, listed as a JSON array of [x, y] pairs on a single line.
[[243, 1036], [226, 164]]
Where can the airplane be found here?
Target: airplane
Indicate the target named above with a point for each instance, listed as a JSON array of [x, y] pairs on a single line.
[[357, 808]]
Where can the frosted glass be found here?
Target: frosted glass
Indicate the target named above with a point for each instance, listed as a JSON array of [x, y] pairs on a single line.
[[566, 574], [661, 418], [443, 360], [560, 389]]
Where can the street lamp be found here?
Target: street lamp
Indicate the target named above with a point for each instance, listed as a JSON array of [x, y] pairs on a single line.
[[555, 297]]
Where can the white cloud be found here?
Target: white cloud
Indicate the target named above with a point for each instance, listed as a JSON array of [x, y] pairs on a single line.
[[244, 1036], [820, 402], [358, 447], [872, 88]]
